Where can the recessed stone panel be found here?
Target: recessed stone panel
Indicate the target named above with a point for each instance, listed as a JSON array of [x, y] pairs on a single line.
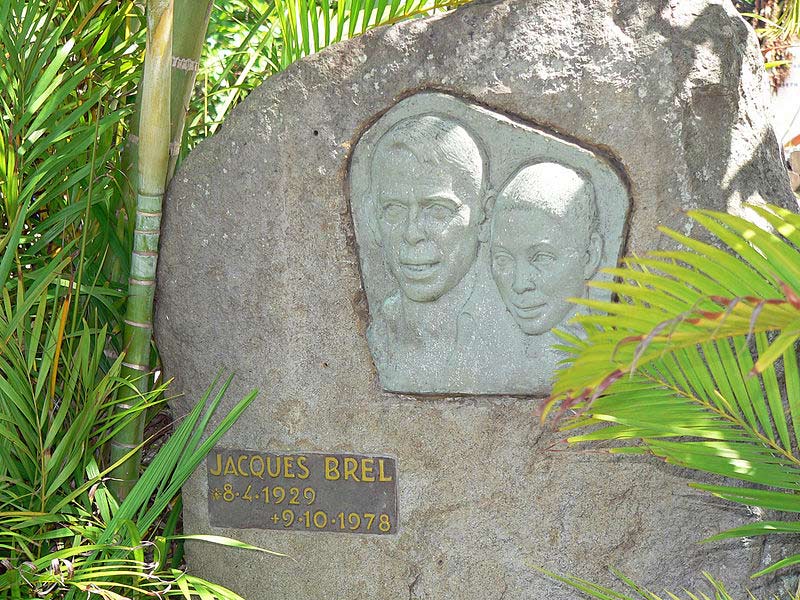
[[473, 232]]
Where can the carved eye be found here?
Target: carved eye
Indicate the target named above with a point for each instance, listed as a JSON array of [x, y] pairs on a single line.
[[440, 212], [502, 261], [394, 212], [541, 258]]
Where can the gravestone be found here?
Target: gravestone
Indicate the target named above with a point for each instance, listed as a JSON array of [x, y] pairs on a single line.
[[381, 239]]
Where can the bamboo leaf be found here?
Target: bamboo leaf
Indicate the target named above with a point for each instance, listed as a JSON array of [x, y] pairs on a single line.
[[759, 528], [225, 541], [786, 501], [781, 564]]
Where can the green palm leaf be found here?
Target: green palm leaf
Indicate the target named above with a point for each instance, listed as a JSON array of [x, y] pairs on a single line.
[[603, 593], [279, 34], [697, 361]]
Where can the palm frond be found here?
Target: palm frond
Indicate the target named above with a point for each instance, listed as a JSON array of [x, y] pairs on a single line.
[[722, 296], [603, 593], [276, 35], [697, 361]]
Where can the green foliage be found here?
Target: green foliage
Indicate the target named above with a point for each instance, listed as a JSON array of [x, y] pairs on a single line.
[[780, 18], [250, 40], [62, 533], [64, 86], [66, 77], [697, 362], [68, 85], [604, 593]]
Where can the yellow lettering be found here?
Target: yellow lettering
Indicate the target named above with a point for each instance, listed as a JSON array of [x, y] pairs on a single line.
[[230, 466], [257, 472], [277, 472], [301, 464], [242, 472], [288, 463], [219, 465], [381, 473], [350, 468], [331, 468], [366, 469]]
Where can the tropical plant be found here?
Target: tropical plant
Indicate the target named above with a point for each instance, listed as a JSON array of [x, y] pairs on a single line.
[[779, 18], [604, 593], [68, 83], [59, 130], [61, 127], [280, 32], [67, 72], [697, 362], [62, 534]]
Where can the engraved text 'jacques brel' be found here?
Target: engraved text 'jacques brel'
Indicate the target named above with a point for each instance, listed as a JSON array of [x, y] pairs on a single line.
[[302, 492], [291, 466]]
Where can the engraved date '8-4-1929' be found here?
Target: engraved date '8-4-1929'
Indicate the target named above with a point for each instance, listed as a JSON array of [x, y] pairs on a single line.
[[302, 492]]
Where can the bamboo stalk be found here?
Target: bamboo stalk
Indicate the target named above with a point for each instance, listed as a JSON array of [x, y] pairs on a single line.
[[189, 34], [129, 161], [154, 141], [191, 25]]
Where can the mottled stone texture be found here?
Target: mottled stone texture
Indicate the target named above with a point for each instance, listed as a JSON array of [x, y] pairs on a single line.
[[259, 275]]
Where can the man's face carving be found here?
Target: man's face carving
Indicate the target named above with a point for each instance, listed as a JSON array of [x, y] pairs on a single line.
[[428, 217], [537, 264]]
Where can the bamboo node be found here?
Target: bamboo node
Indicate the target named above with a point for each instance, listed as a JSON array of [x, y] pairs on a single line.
[[143, 213], [138, 324], [148, 282], [117, 444], [174, 148], [185, 64], [135, 367]]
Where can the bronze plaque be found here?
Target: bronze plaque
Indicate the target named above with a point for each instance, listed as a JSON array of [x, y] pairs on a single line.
[[304, 491]]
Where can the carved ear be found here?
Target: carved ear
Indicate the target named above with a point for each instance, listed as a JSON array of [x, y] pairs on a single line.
[[488, 206], [372, 226], [594, 254]]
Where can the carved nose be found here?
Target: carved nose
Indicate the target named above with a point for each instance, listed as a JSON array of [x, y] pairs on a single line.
[[523, 280], [413, 233]]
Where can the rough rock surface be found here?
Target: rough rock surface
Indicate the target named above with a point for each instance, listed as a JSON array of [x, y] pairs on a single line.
[[259, 275]]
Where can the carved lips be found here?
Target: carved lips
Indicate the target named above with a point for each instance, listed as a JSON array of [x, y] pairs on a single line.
[[528, 311], [419, 270]]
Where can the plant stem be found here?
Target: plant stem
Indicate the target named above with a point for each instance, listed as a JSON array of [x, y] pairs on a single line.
[[173, 54], [191, 24], [154, 142], [189, 34]]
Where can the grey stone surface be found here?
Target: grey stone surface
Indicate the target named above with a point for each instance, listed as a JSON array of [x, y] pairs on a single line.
[[429, 187], [260, 274]]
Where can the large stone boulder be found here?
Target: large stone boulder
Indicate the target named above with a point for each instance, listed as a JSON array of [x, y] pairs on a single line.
[[281, 261]]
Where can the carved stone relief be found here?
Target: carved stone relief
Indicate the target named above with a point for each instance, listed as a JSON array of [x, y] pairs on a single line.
[[473, 232]]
